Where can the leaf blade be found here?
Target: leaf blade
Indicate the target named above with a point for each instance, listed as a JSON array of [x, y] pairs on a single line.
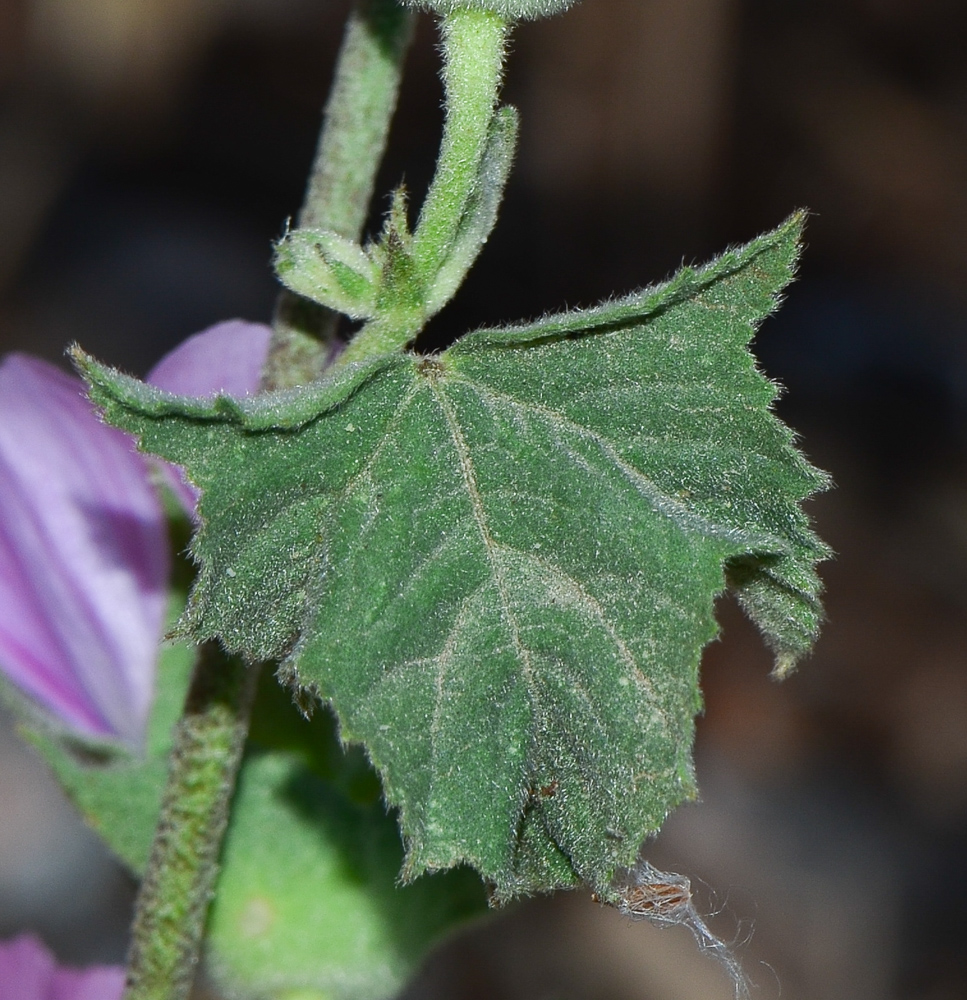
[[499, 564]]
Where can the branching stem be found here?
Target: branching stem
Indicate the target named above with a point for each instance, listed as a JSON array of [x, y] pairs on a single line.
[[210, 737], [474, 47], [355, 128]]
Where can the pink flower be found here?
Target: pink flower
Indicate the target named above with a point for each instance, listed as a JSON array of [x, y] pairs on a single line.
[[28, 971], [227, 359], [83, 556], [83, 539]]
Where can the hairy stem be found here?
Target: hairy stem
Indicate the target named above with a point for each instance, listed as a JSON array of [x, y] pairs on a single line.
[[177, 887], [355, 127], [474, 47]]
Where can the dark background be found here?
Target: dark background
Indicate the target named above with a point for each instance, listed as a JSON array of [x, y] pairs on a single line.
[[150, 150]]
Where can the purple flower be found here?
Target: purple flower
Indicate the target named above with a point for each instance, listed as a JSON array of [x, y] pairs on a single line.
[[83, 556], [226, 358], [28, 971], [83, 539]]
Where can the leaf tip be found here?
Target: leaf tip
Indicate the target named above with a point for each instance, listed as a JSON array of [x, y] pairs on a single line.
[[786, 662], [86, 365]]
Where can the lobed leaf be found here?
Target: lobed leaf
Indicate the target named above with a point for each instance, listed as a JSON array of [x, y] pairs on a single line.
[[499, 563]]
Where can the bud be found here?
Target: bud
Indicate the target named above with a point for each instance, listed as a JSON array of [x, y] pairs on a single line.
[[329, 269]]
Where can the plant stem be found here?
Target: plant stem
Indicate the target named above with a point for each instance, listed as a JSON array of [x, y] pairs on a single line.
[[474, 46], [210, 737], [177, 887], [355, 126]]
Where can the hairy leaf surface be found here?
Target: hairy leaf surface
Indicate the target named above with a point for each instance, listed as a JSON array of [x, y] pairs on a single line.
[[499, 563]]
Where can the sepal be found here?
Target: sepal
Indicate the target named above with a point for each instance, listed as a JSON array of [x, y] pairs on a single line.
[[401, 299]]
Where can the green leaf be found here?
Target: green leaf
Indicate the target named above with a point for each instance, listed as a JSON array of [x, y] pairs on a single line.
[[499, 563], [315, 906]]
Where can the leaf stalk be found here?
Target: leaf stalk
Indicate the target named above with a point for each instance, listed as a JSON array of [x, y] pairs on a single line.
[[474, 48]]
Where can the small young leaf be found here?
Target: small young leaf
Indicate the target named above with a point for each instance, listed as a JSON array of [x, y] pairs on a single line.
[[481, 212], [328, 269], [499, 563], [401, 291]]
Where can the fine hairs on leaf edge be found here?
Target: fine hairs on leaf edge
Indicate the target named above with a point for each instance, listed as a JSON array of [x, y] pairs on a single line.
[[618, 309], [119, 393]]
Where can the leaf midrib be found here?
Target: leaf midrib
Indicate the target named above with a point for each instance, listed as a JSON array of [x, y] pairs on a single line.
[[490, 546]]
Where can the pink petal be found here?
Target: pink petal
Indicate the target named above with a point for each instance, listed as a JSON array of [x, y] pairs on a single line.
[[83, 556], [28, 971], [97, 982], [225, 359]]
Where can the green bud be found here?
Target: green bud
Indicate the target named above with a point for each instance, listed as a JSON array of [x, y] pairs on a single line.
[[328, 269], [510, 10]]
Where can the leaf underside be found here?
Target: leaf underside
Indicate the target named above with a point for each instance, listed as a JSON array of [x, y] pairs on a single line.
[[499, 563]]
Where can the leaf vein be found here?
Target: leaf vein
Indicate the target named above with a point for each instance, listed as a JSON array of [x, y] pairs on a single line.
[[686, 519], [489, 544]]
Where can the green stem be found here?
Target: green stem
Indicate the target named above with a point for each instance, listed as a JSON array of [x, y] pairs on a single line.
[[474, 47], [355, 127], [173, 900], [357, 118]]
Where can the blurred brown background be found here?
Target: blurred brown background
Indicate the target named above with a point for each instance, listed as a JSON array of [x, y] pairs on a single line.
[[151, 149]]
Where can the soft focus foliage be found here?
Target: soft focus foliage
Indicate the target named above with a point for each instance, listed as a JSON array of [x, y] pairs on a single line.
[[348, 932]]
